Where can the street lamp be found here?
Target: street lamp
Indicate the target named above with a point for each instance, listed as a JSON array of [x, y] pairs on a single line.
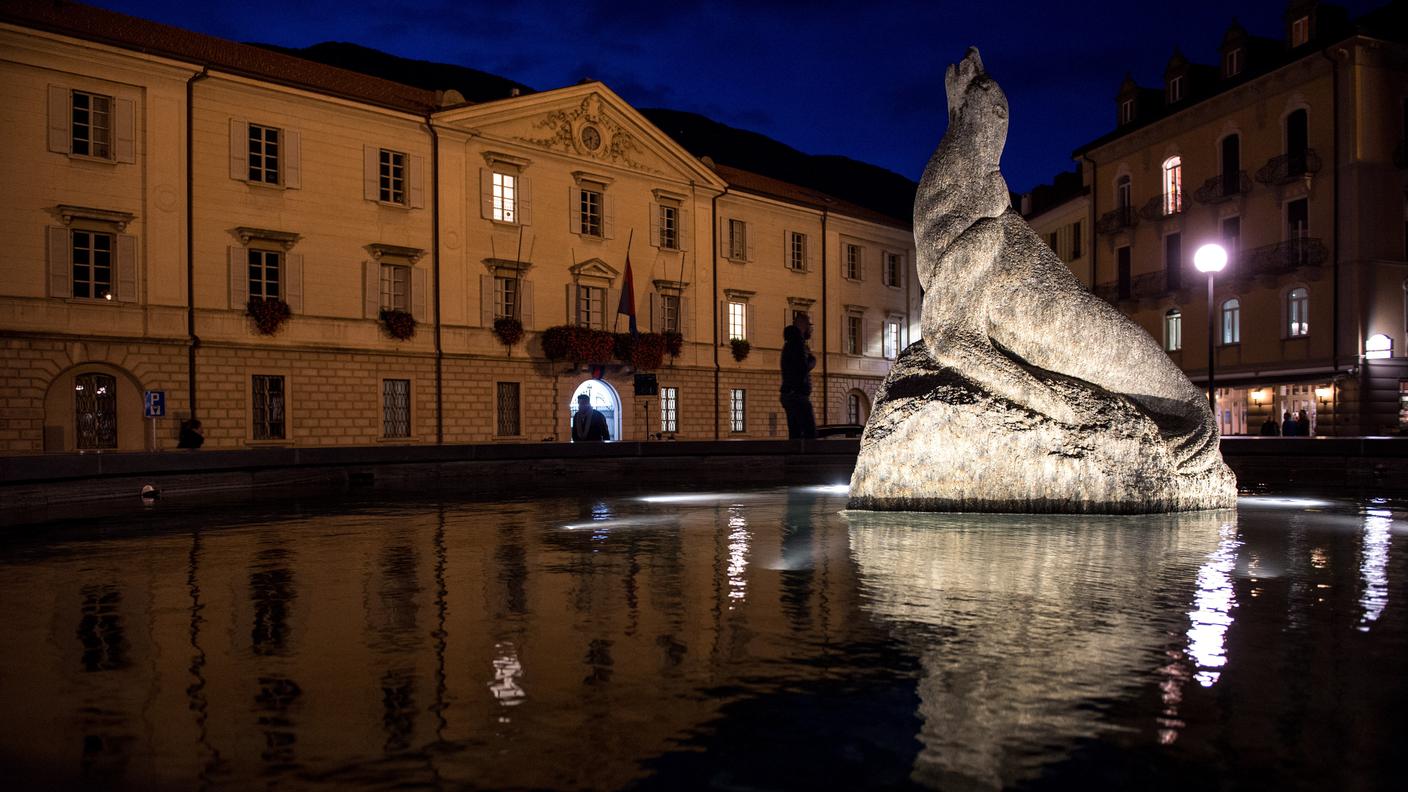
[[1210, 259]]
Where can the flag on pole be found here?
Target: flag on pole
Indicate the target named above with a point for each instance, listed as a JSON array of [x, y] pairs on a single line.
[[628, 296]]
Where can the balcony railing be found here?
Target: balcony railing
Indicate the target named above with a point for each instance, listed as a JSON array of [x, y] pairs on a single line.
[[1283, 257], [1222, 188], [1287, 168], [1161, 206], [1148, 285], [1117, 220]]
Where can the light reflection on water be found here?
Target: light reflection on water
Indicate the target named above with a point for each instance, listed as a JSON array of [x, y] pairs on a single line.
[[751, 639]]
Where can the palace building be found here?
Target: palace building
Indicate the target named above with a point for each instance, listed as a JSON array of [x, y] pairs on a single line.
[[1289, 153], [300, 254]]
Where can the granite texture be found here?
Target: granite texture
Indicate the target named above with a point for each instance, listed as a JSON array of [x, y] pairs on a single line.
[[1026, 393]]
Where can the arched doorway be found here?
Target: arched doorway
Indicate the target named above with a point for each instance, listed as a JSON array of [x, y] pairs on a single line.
[[603, 399], [94, 407]]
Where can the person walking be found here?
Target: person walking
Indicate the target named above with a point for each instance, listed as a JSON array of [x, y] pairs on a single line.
[[797, 365], [1303, 425], [1288, 425], [588, 425]]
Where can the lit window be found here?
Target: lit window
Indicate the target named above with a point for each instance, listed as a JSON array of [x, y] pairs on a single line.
[[853, 335], [737, 320], [505, 197], [853, 260], [92, 265], [669, 410], [591, 203], [1232, 62], [669, 226], [893, 266], [268, 407], [264, 273], [395, 287], [1378, 347], [737, 412], [1173, 330], [392, 177], [589, 306], [505, 297], [395, 408], [892, 339], [797, 251], [1300, 31], [1298, 311], [91, 125], [263, 154], [507, 411], [1232, 321], [1173, 185], [737, 240]]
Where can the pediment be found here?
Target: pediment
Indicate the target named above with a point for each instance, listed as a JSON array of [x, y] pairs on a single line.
[[588, 123], [593, 268]]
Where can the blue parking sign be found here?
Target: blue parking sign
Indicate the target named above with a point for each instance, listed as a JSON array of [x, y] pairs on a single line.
[[155, 404]]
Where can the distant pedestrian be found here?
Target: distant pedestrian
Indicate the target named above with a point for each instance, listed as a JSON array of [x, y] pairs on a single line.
[[191, 436], [588, 425], [797, 364], [1270, 428], [1288, 425], [1303, 425]]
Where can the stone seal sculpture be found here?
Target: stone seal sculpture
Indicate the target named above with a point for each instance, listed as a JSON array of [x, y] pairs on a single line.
[[1027, 393]]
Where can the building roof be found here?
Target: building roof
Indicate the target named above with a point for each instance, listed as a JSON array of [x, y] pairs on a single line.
[[766, 186]]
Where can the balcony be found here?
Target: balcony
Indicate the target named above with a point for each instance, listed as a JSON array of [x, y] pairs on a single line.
[[1145, 286], [1282, 257], [1117, 220], [1287, 168], [1220, 188], [1158, 207]]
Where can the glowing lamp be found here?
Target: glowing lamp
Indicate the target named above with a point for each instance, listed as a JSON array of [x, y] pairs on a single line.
[[1324, 392], [1210, 258], [1378, 346]]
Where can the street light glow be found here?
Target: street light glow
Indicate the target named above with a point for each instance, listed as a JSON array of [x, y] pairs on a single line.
[[1210, 258]]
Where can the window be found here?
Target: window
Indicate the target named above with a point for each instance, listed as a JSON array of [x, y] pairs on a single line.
[[92, 265], [392, 177], [669, 219], [590, 311], [737, 240], [893, 267], [1298, 312], [91, 126], [1126, 111], [737, 320], [1378, 347], [854, 338], [1173, 330], [1297, 143], [1232, 236], [590, 205], [1231, 149], [1232, 62], [507, 409], [1173, 262], [853, 408], [264, 273], [1123, 273], [1124, 192], [268, 407], [1298, 219], [1175, 89], [892, 339], [505, 297], [95, 411], [1075, 240], [737, 412], [670, 314], [1300, 31], [796, 251], [1173, 185], [669, 410], [263, 154], [853, 262], [395, 408], [1232, 321], [504, 188], [395, 287]]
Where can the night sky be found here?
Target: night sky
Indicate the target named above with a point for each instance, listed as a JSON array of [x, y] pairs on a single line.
[[861, 79]]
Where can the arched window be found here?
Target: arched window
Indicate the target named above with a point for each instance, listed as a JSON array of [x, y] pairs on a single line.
[[857, 407], [1298, 311], [1173, 185], [1124, 192], [95, 411], [1173, 330], [1231, 174], [1378, 347], [1232, 321]]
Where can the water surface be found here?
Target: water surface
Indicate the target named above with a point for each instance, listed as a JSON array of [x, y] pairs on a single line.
[[745, 640]]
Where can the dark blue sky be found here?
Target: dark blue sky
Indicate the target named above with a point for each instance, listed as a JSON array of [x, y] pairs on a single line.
[[861, 79]]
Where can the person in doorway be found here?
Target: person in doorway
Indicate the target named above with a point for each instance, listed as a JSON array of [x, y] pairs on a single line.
[[588, 425], [191, 436], [1288, 425], [797, 364], [1270, 428], [1303, 425]]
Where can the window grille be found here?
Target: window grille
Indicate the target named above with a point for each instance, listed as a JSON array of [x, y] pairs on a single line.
[[669, 407], [268, 407], [396, 408], [737, 414], [507, 409], [95, 411]]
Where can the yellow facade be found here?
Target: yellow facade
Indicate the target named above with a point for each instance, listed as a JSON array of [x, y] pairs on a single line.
[[289, 194]]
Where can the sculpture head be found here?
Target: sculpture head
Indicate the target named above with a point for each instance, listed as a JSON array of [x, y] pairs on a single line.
[[977, 108]]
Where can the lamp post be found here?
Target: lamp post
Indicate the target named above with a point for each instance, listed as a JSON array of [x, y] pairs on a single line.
[[1211, 259]]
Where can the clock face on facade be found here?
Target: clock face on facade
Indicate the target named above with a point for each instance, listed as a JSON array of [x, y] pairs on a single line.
[[591, 138]]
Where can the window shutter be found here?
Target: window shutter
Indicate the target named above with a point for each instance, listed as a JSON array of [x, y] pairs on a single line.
[[60, 262], [571, 314], [686, 318], [239, 278], [486, 193], [574, 209], [293, 154], [126, 268], [656, 320], [293, 281], [871, 344], [723, 323], [654, 224], [60, 120], [525, 201], [124, 130], [525, 303], [416, 179], [486, 300], [750, 329], [371, 289], [371, 173], [239, 150], [725, 247], [420, 295], [608, 217], [813, 252], [609, 315], [786, 249], [682, 234], [748, 239]]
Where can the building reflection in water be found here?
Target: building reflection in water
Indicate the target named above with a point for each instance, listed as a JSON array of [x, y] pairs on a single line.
[[1373, 565], [737, 555]]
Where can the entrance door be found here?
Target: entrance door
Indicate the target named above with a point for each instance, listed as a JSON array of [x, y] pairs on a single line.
[[95, 411], [603, 399]]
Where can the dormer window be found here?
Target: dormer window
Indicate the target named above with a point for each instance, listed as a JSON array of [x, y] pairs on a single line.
[[1300, 31], [1232, 62], [1175, 89], [1127, 111]]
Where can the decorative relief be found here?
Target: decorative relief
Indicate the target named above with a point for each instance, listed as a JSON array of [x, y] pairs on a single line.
[[588, 132]]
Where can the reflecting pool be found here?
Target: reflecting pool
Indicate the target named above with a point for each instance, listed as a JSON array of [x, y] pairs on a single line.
[[750, 639]]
